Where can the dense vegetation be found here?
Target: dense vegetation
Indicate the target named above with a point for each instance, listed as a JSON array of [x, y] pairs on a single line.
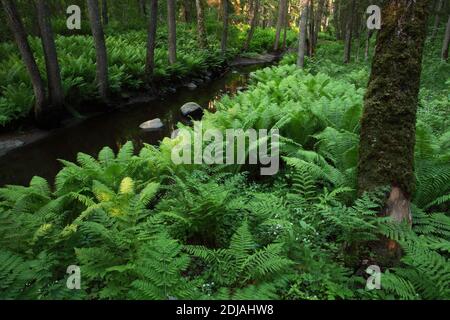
[[141, 227]]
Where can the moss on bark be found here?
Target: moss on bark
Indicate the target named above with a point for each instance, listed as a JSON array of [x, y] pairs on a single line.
[[390, 105]]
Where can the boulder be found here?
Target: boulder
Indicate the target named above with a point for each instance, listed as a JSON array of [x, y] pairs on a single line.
[[191, 86], [152, 125], [191, 109]]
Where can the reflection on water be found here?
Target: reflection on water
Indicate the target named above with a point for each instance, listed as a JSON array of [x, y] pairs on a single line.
[[111, 129]]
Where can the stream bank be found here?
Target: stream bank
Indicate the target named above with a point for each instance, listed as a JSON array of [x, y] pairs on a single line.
[[37, 152]]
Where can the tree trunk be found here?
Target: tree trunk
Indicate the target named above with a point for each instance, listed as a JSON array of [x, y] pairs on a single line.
[[286, 25], [445, 44], [142, 8], [349, 33], [20, 36], [187, 12], [386, 151], [105, 12], [437, 17], [311, 44], [337, 18], [55, 88], [367, 50], [264, 18], [171, 17], [151, 39], [318, 22], [280, 23], [302, 37], [254, 22], [201, 30], [225, 26], [100, 49]]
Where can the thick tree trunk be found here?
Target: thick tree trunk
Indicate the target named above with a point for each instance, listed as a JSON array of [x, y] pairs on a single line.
[[437, 19], [349, 33], [302, 36], [201, 30], [386, 152], [105, 12], [20, 36], [55, 88], [280, 23], [253, 24], [225, 26], [171, 16], [100, 49], [445, 44], [151, 38]]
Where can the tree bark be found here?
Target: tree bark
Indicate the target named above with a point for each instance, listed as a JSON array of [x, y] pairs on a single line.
[[280, 23], [254, 22], [337, 18], [318, 22], [225, 26], [445, 44], [20, 36], [302, 36], [349, 33], [100, 49], [286, 25], [437, 17], [386, 152], [187, 12], [171, 17], [311, 28], [151, 38], [55, 88], [201, 30]]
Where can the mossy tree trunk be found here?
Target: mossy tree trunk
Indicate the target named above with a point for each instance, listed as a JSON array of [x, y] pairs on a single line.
[[201, 29], [20, 36], [388, 125], [151, 38]]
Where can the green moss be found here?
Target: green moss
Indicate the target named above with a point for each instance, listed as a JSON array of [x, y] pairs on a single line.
[[389, 118]]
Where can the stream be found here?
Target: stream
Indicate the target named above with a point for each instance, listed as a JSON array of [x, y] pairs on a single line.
[[113, 129]]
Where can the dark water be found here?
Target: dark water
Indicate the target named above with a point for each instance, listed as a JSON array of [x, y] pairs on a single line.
[[112, 129]]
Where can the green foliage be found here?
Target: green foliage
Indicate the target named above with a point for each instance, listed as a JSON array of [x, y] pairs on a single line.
[[141, 227]]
